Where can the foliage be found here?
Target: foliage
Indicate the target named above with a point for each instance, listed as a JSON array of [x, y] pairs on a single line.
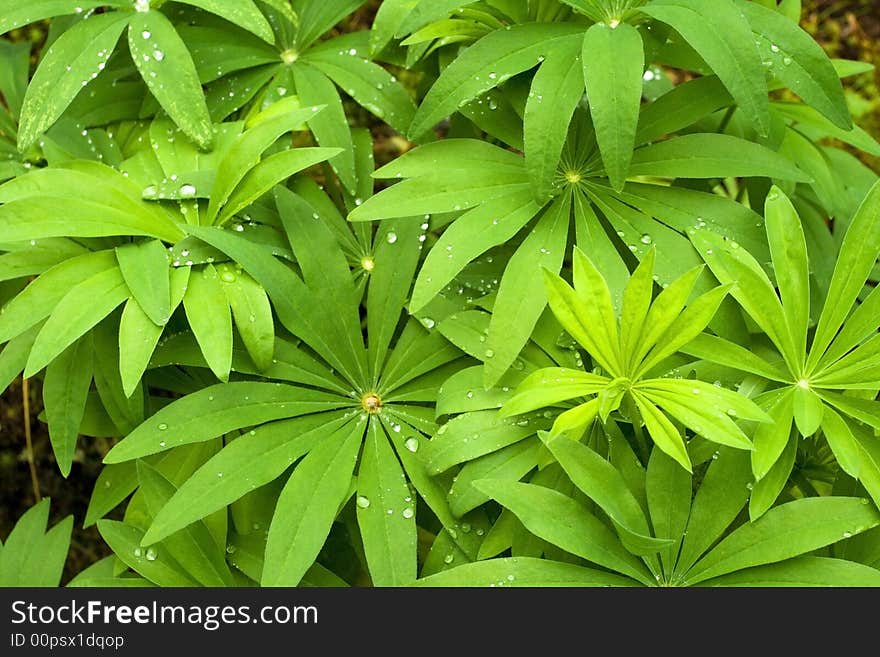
[[622, 286]]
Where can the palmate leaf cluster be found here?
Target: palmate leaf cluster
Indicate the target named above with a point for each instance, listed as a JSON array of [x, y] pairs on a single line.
[[611, 320]]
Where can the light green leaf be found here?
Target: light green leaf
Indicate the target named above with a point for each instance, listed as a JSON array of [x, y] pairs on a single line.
[[788, 249], [330, 126], [33, 557], [668, 487], [664, 433], [252, 313], [770, 438], [144, 266], [207, 311], [81, 309]]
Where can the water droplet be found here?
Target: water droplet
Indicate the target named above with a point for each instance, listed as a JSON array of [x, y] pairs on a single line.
[[146, 34], [230, 549], [187, 190], [646, 239], [162, 427], [490, 353], [407, 513], [138, 552], [428, 322], [363, 502], [158, 55], [391, 238], [151, 554], [162, 443], [847, 534], [412, 444], [449, 558]]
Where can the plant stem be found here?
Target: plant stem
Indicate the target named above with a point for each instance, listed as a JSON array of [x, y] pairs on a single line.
[[26, 406]]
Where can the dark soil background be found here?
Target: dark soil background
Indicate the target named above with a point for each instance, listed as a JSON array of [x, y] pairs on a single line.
[[848, 29]]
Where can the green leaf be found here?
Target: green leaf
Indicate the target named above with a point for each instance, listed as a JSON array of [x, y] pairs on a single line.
[[558, 84], [207, 311], [723, 38], [243, 13], [521, 296], [246, 463], [308, 505], [786, 531], [394, 263], [329, 126], [668, 487], [317, 17], [842, 442], [681, 108], [710, 155], [67, 67], [15, 15], [65, 390], [84, 306], [472, 234], [486, 433], [370, 85], [193, 548], [788, 249], [31, 556], [613, 59], [802, 571], [485, 65], [565, 523], [385, 513], [326, 273], [721, 496], [125, 541], [522, 571], [144, 266], [603, 483], [799, 62], [766, 490], [858, 255], [166, 66], [216, 410]]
